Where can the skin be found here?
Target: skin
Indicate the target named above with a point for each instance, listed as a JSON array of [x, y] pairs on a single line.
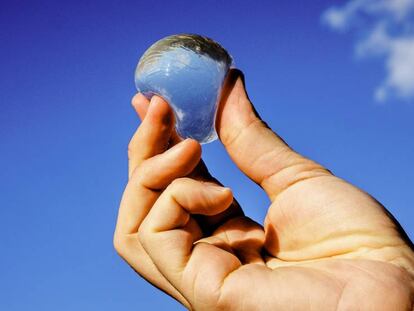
[[324, 245]]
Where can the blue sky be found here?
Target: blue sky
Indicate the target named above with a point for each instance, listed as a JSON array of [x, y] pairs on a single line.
[[65, 122]]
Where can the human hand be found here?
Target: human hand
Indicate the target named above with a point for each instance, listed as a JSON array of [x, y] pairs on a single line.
[[325, 244]]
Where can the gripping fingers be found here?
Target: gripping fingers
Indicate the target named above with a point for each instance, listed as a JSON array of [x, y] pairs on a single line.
[[168, 232], [153, 175], [139, 196], [138, 154]]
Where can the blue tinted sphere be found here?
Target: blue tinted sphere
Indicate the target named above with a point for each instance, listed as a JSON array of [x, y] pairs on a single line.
[[188, 71]]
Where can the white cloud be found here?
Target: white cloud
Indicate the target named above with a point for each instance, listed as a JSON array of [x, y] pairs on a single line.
[[387, 31]]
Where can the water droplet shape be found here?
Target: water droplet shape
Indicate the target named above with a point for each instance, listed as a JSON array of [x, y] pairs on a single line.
[[188, 71]]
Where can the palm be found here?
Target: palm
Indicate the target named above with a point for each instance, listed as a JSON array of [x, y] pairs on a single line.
[[304, 249]]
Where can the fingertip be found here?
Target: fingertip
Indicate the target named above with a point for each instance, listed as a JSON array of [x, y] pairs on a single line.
[[194, 145], [187, 149], [140, 104], [235, 110], [234, 83], [176, 162], [219, 198], [228, 191], [159, 103], [139, 99], [223, 191], [160, 110], [228, 196]]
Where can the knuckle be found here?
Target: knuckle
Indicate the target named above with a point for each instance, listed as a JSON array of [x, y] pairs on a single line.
[[177, 184], [125, 245], [132, 146], [130, 151], [149, 175], [230, 138], [144, 176], [298, 169], [141, 234], [119, 244]]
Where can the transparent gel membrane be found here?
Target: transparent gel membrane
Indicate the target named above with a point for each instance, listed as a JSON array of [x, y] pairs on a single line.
[[188, 71]]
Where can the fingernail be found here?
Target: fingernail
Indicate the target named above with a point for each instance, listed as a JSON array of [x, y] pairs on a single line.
[[218, 188], [157, 99], [152, 103], [135, 99]]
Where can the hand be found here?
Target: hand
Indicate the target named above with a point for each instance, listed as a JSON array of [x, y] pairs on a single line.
[[325, 244]]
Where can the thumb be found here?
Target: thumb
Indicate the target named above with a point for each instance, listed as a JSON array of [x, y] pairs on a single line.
[[259, 152]]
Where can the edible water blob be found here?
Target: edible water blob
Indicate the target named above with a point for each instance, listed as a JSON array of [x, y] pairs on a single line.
[[188, 71]]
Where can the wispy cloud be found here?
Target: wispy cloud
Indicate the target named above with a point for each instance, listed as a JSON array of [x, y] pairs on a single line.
[[386, 30]]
